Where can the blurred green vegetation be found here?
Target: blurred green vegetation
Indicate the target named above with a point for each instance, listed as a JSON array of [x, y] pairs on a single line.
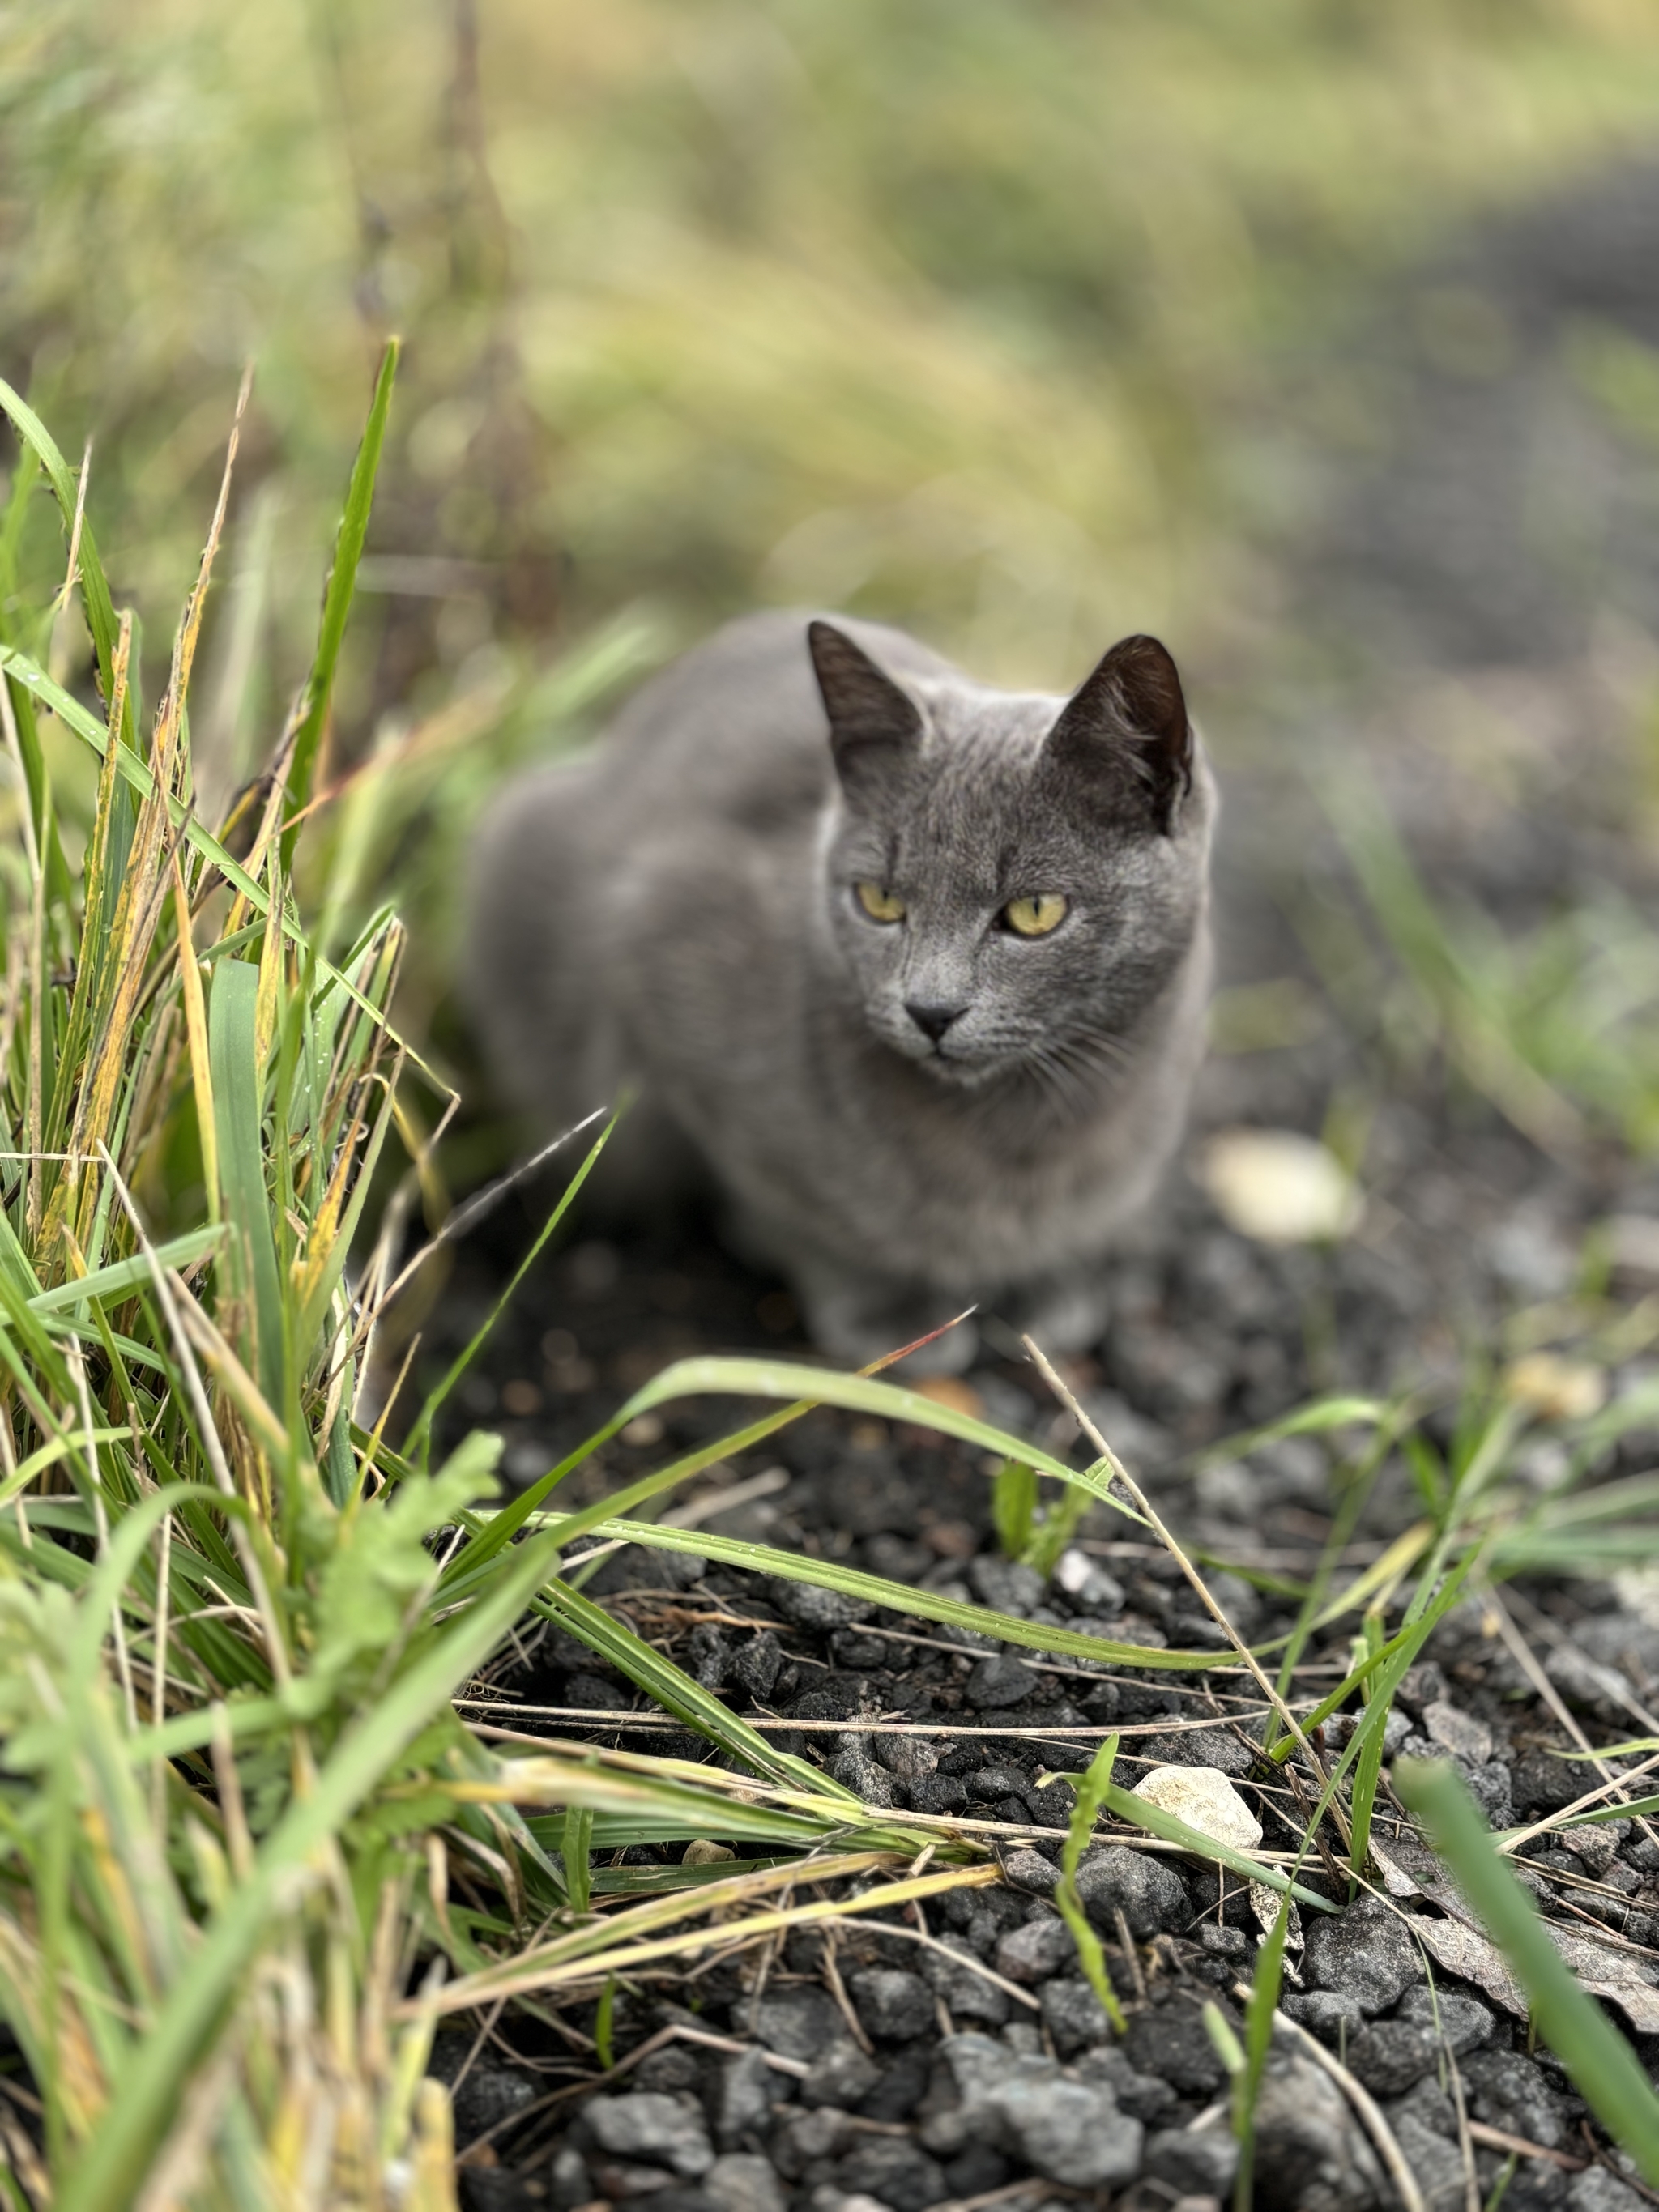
[[969, 312]]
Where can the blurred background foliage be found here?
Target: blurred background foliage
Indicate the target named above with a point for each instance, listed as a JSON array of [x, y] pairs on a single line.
[[1025, 323]]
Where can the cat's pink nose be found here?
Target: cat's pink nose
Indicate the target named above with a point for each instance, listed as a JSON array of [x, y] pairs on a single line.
[[931, 1020]]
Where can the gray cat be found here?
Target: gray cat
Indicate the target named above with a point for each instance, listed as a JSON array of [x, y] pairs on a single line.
[[918, 970]]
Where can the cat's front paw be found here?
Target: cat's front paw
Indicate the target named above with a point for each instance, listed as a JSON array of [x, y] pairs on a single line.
[[856, 1331], [1063, 1318]]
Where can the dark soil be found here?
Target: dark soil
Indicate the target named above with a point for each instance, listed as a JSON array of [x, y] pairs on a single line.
[[887, 2069]]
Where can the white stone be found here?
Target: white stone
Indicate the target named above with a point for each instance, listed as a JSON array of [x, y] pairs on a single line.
[[1205, 1800], [1280, 1186]]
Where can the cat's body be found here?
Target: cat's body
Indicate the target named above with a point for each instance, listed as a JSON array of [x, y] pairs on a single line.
[[904, 1114]]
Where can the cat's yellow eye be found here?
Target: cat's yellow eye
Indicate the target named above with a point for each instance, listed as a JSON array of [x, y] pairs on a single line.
[[880, 905], [1036, 915]]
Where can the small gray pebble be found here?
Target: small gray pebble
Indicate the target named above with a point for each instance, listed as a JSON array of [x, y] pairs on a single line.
[[857, 1771], [1070, 2131], [651, 2125], [1325, 2014], [1004, 1585], [842, 2076], [910, 1757], [1201, 2164], [894, 2171], [741, 2183], [894, 2006], [799, 2023], [967, 1994], [1508, 2090], [1464, 2021], [1363, 1953], [804, 2136], [1388, 2056], [998, 1680], [1028, 1869], [990, 1783], [1596, 2190], [1149, 1893], [1033, 1952], [809, 1607], [1171, 2041], [937, 1794], [1073, 2016], [571, 2183], [749, 2089], [1143, 2096]]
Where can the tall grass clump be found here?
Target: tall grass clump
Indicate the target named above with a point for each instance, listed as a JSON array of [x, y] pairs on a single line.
[[249, 1853]]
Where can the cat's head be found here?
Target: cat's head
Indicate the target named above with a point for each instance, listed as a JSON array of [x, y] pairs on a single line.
[[1012, 880]]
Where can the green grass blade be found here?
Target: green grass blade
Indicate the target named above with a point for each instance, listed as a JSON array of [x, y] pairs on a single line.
[[1309, 1421], [575, 1850], [857, 1393], [312, 710], [1258, 2041], [239, 1116], [135, 773], [126, 1274], [898, 1597], [1091, 1789], [670, 1687], [418, 1441], [1604, 2068], [1013, 1506], [94, 587]]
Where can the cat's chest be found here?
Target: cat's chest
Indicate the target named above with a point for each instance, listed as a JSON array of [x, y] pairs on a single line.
[[971, 1191]]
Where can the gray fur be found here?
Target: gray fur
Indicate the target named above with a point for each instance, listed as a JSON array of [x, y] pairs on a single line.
[[675, 912]]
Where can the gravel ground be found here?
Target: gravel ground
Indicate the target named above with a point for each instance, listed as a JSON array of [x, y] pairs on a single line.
[[1211, 1333], [894, 2071]]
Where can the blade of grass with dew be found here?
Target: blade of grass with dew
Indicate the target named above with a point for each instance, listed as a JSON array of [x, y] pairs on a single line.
[[659, 1800], [1091, 1787], [857, 1393], [1604, 2068], [108, 1282]]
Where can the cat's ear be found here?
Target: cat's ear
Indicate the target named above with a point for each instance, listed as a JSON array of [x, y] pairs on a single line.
[[874, 725], [1124, 729]]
